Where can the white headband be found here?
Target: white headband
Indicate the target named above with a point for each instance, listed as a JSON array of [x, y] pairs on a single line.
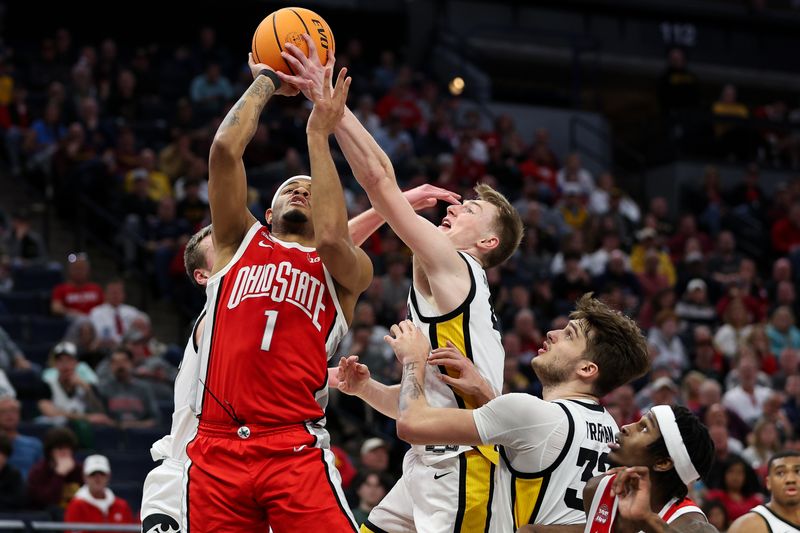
[[284, 184], [675, 446]]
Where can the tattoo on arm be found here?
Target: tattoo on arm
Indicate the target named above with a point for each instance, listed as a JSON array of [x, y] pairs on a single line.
[[410, 388], [257, 95]]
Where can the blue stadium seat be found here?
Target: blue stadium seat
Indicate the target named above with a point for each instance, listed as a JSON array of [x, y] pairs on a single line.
[[37, 352], [26, 302], [32, 429], [37, 278], [166, 408], [142, 438], [13, 325], [108, 438], [130, 492], [45, 328]]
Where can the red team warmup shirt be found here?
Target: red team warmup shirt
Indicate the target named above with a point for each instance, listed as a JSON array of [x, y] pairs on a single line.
[[82, 298], [273, 322]]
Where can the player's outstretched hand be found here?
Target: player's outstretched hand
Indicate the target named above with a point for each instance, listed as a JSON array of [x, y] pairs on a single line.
[[467, 379], [352, 375], [309, 71], [427, 195], [329, 106], [408, 342], [632, 488], [286, 89]]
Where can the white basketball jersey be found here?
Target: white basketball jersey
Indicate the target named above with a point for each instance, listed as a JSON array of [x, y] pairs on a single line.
[[554, 496], [775, 523], [472, 328], [184, 420]]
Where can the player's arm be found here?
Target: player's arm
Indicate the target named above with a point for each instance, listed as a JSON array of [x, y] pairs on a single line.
[[520, 421], [227, 183], [749, 523], [420, 197], [445, 269], [373, 170], [353, 378], [418, 422], [348, 264]]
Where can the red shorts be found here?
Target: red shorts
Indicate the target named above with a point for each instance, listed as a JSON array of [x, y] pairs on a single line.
[[274, 478]]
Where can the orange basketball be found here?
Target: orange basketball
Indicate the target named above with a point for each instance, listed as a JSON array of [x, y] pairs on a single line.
[[287, 25]]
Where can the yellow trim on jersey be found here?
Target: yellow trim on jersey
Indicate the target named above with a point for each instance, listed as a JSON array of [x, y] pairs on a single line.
[[453, 330], [477, 483], [365, 529], [526, 495]]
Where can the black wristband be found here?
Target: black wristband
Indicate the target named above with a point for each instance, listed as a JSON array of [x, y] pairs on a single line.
[[276, 81]]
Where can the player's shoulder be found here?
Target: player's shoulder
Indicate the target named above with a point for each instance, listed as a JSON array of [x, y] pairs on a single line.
[[751, 522]]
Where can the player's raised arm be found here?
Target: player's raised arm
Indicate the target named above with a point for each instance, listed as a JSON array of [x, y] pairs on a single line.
[[373, 170], [227, 183], [347, 263]]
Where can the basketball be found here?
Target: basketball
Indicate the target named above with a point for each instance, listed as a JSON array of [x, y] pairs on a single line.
[[287, 25]]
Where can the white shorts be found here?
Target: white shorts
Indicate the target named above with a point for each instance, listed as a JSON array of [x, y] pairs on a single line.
[[162, 497], [453, 495]]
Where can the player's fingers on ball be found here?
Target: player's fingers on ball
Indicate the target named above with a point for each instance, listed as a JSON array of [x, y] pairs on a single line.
[[293, 61], [312, 49]]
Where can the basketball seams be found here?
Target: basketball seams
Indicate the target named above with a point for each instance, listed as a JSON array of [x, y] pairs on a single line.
[[278, 42], [262, 47]]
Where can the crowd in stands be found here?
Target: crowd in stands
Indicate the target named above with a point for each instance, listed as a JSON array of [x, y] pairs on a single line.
[[711, 281]]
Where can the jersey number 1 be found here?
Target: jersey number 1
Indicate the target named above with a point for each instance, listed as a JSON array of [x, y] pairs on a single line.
[[269, 329]]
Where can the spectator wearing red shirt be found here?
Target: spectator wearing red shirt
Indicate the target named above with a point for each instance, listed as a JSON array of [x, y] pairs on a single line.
[[400, 102], [786, 231], [76, 296], [94, 503]]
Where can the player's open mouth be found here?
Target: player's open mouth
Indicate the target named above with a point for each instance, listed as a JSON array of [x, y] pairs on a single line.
[[545, 347], [615, 445], [445, 224], [299, 201]]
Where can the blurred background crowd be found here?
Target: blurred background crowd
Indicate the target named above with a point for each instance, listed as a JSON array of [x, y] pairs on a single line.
[[110, 137]]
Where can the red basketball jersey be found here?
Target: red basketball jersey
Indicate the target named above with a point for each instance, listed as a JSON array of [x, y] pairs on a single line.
[[603, 510], [273, 321]]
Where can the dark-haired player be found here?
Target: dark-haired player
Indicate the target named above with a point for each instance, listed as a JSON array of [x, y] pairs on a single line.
[[782, 513]]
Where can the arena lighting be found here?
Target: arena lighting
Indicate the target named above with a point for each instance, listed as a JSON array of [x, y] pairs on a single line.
[[456, 86]]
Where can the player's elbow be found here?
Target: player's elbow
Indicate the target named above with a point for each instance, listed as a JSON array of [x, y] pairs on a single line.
[[407, 430], [223, 149]]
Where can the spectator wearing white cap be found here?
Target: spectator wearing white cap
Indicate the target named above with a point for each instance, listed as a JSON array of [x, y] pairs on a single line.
[[71, 398], [694, 308], [95, 503], [375, 455]]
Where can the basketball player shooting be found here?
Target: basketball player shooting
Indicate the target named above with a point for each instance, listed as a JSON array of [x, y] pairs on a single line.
[[450, 301], [279, 301]]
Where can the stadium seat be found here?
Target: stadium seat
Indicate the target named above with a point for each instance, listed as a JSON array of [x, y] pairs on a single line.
[[13, 325], [32, 429], [36, 352], [130, 492], [142, 438], [26, 302], [37, 278], [50, 329], [166, 408], [108, 438]]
